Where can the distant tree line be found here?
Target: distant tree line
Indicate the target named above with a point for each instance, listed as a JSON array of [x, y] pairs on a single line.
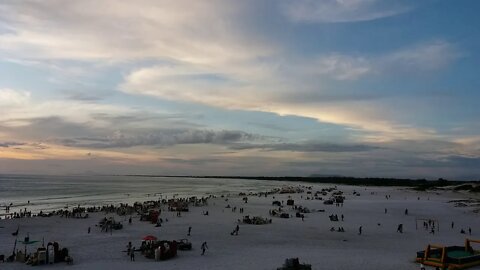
[[417, 184]]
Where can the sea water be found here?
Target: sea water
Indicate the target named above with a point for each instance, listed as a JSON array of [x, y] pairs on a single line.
[[46, 193]]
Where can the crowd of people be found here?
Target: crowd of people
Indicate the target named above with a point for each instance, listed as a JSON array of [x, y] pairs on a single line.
[[130, 210]]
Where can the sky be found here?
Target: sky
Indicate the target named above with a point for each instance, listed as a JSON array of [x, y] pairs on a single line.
[[364, 88]]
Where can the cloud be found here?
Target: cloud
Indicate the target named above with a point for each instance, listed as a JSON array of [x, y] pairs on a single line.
[[298, 87], [456, 162], [194, 162], [342, 67], [463, 161], [424, 57], [44, 129], [123, 131], [18, 108], [84, 96], [231, 152], [178, 82], [161, 138], [244, 86], [431, 146], [122, 30], [307, 147], [218, 54], [341, 11], [10, 144], [10, 97], [62, 67], [271, 126], [208, 53], [434, 55]]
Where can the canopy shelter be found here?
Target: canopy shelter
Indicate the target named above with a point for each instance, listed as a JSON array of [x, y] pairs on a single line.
[[27, 242]]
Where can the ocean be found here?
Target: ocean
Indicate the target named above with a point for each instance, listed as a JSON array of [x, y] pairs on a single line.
[[46, 193]]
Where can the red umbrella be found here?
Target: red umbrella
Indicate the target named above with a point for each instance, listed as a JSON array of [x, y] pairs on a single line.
[[149, 238]]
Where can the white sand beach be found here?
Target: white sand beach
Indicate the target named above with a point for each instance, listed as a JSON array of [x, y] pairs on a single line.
[[267, 246]]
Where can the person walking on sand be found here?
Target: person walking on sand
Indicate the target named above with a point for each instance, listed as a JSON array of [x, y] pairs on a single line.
[[132, 254], [129, 248], [360, 230], [189, 230], [204, 247]]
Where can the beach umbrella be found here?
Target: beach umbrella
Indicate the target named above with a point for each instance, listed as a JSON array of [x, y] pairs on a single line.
[[27, 241], [149, 238]]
